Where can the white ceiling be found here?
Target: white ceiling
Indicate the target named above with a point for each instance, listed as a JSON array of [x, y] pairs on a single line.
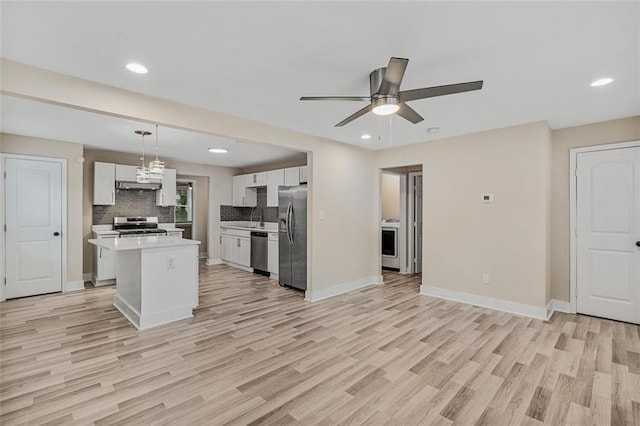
[[255, 59], [35, 119]]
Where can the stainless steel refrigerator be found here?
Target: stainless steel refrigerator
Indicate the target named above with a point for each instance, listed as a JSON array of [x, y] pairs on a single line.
[[292, 236]]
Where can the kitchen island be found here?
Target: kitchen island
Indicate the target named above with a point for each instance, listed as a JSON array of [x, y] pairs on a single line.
[[156, 278]]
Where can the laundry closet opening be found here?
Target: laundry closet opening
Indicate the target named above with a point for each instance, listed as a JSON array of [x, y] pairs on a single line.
[[401, 219]]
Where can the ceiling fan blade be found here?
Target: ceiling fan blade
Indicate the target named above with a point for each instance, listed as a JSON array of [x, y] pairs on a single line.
[[430, 92], [409, 113], [355, 115], [335, 98], [393, 76]]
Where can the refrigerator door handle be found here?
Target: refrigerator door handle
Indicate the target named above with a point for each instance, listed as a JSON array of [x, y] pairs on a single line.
[[289, 233]]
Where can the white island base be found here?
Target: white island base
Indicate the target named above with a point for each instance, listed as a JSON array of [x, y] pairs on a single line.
[[156, 278]]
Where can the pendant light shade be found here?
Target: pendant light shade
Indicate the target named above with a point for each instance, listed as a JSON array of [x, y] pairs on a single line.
[[156, 167], [142, 172]]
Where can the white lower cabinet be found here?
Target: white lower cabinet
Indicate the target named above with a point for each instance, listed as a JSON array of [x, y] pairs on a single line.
[[104, 271], [273, 262], [236, 247]]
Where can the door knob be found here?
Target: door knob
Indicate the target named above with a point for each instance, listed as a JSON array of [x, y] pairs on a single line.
[[638, 243], [55, 234]]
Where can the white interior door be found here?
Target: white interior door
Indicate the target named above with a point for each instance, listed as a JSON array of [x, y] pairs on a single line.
[[34, 226], [608, 231], [417, 223]]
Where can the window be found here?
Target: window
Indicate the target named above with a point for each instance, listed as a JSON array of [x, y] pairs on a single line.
[[184, 203]]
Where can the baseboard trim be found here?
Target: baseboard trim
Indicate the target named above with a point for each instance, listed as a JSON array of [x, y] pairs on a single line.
[[73, 286], [562, 306], [211, 261], [342, 288], [128, 311], [489, 302], [87, 277]]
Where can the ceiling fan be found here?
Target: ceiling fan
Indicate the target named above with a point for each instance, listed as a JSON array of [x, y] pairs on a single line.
[[386, 97]]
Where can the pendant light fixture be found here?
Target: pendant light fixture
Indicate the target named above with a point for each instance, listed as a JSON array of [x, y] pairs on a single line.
[[156, 167], [142, 172]]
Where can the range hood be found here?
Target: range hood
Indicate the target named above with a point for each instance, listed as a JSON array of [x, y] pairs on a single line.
[[121, 184]]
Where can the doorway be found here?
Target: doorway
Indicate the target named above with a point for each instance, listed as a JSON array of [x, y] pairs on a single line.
[[401, 219], [605, 217], [35, 235]]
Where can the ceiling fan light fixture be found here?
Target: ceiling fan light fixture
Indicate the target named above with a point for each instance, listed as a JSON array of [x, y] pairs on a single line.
[[385, 106]]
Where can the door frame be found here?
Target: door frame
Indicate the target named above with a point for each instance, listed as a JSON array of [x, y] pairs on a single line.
[[573, 210], [410, 212], [63, 203]]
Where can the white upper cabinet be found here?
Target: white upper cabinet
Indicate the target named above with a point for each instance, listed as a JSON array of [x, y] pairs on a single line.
[[256, 179], [275, 178], [292, 176], [239, 184], [166, 196], [245, 186], [243, 196], [104, 184], [303, 174], [125, 173]]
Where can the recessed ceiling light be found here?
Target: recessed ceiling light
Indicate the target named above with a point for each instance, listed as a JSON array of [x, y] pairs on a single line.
[[601, 82], [218, 150], [365, 136], [432, 130], [137, 68]]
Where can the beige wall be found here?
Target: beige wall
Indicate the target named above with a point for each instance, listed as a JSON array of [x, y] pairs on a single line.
[[201, 214], [294, 162], [13, 144], [626, 129], [390, 192], [219, 194], [463, 238], [343, 178]]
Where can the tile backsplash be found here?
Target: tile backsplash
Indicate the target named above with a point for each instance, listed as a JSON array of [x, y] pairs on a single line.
[[230, 213], [132, 202]]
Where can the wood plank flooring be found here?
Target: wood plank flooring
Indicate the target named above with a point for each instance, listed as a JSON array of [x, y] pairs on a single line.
[[256, 353]]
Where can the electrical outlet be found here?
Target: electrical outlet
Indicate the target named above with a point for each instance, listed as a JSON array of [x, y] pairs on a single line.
[[171, 263], [485, 278]]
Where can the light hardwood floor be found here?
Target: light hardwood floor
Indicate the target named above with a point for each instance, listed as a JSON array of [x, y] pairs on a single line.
[[256, 353]]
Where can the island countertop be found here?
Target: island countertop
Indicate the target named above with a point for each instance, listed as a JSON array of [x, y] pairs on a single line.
[[139, 243]]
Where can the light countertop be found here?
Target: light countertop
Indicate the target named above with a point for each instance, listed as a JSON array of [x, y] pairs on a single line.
[[271, 227], [106, 232], [139, 243]]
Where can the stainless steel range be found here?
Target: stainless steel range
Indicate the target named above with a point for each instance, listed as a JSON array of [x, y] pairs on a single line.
[[137, 226]]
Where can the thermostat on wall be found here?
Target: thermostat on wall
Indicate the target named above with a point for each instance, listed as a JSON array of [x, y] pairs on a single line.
[[487, 198]]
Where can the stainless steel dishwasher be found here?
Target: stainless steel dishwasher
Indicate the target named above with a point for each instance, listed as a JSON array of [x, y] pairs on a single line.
[[260, 252]]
